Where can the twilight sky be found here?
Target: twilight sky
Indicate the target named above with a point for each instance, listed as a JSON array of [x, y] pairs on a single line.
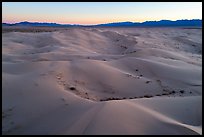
[[98, 12]]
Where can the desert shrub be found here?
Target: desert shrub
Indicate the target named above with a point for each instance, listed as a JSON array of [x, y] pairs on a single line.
[[72, 88], [182, 91]]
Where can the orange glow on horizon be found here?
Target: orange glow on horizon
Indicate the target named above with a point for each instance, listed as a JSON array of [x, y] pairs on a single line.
[[81, 22]]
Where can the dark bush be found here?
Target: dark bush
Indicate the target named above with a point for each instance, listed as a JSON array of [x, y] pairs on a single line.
[[72, 88], [148, 96], [182, 91]]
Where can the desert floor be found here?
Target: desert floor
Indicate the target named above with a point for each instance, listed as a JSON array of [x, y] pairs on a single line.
[[102, 81]]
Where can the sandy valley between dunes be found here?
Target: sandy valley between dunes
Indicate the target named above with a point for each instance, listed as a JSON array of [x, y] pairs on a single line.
[[102, 81]]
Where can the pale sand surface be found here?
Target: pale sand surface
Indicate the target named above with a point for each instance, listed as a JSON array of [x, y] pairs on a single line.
[[102, 81]]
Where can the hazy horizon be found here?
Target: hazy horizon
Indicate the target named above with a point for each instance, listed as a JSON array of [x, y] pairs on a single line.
[[94, 24], [91, 13]]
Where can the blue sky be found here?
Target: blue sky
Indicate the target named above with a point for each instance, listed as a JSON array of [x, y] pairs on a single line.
[[98, 12]]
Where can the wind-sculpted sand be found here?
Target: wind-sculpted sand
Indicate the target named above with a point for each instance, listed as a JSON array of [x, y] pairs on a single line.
[[102, 81]]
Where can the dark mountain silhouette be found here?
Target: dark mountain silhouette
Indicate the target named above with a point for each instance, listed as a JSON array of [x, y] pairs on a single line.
[[117, 24], [7, 24], [36, 24], [173, 23], [193, 22], [26, 23]]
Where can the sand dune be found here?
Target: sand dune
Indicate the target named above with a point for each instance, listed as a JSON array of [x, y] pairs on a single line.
[[102, 81]]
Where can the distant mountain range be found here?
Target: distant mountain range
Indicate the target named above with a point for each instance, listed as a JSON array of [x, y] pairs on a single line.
[[26, 23], [193, 22]]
